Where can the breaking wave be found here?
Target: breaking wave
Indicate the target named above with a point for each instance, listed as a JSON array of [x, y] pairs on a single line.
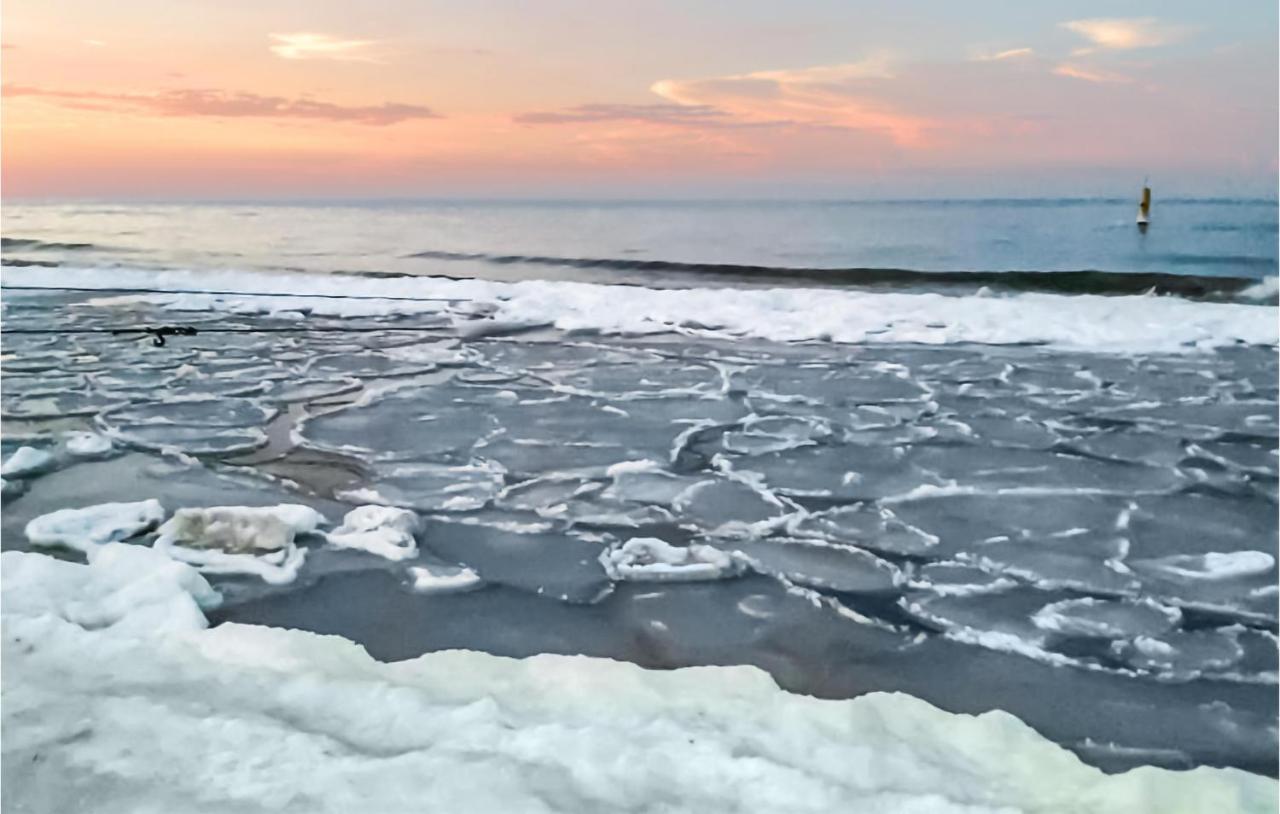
[[1056, 282]]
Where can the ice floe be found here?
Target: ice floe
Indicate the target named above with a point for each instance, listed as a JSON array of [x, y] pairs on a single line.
[[648, 559], [1214, 565], [87, 444], [240, 539], [86, 528], [430, 579], [25, 462], [382, 530], [1108, 619], [819, 565]]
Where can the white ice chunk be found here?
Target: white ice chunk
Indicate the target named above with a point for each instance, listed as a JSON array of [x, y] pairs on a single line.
[[125, 587], [85, 529], [241, 528], [86, 444], [650, 559], [26, 461], [1214, 565], [430, 579], [278, 567], [382, 530], [255, 540]]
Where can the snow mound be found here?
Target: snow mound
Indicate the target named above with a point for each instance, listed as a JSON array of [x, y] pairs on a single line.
[[431, 579], [245, 718], [648, 559], [382, 530], [123, 586], [92, 526], [26, 461], [253, 540]]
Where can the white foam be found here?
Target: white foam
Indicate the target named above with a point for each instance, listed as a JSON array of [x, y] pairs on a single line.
[[1087, 322], [26, 461], [1266, 288], [87, 528], [382, 530], [649, 559]]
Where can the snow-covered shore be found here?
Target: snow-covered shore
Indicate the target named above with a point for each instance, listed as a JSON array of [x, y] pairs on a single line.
[[117, 697]]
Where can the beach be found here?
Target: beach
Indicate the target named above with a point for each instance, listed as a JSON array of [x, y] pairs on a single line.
[[876, 511]]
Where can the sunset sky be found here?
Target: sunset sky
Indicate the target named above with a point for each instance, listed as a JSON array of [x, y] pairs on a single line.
[[391, 98]]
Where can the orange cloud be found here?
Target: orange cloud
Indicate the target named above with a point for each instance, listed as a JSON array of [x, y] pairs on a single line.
[[847, 96], [657, 113], [219, 103]]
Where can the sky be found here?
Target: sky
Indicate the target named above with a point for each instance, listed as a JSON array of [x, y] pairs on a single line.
[[240, 99]]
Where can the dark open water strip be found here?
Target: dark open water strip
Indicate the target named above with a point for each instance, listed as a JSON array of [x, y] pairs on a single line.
[[1059, 282]]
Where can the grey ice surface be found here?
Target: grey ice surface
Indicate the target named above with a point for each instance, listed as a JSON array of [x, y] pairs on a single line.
[[1061, 535]]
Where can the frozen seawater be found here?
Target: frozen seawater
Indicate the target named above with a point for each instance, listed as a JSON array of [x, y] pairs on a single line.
[[87, 444], [92, 526], [25, 462], [819, 565], [1107, 618], [240, 528], [443, 578], [976, 485], [240, 539], [652, 560], [385, 531]]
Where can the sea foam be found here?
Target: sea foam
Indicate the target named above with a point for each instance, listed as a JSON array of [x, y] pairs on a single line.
[[1086, 322]]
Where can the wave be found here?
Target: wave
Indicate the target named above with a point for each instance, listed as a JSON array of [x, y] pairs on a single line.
[[1122, 324], [29, 244], [1054, 282]]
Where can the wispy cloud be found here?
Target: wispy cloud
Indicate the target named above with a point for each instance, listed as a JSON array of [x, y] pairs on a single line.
[[848, 96], [95, 43], [1012, 53], [226, 104], [306, 45], [876, 66], [1089, 75], [1118, 34], [656, 113]]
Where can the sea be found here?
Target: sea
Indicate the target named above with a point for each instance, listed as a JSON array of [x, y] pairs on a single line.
[[1214, 243], [1006, 455]]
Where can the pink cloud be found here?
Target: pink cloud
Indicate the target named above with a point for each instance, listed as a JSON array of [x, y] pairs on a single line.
[[230, 104]]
